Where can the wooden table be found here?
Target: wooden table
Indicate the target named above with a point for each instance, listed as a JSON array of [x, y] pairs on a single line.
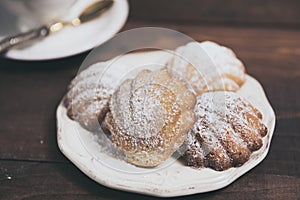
[[32, 167]]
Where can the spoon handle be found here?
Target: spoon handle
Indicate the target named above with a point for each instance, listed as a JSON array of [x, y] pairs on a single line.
[[23, 38]]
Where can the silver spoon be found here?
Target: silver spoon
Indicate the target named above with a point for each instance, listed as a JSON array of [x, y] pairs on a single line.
[[89, 13]]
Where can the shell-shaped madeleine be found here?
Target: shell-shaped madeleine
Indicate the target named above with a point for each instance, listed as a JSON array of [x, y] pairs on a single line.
[[208, 66], [226, 131], [150, 116], [87, 99]]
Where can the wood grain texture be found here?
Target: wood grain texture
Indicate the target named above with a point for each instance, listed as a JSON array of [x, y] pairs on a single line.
[[32, 167], [36, 180], [30, 92], [246, 12]]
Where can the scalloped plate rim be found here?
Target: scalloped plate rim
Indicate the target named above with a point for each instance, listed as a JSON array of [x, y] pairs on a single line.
[[140, 183]]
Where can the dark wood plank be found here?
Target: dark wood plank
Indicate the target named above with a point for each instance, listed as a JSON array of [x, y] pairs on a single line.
[[283, 158], [32, 90], [30, 93], [35, 180], [32, 167], [277, 177], [249, 12]]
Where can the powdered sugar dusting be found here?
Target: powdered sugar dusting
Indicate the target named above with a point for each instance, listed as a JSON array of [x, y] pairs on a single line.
[[90, 91], [223, 126], [208, 66], [145, 116]]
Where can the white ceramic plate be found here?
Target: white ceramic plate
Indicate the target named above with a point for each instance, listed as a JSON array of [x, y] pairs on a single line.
[[170, 179], [74, 40]]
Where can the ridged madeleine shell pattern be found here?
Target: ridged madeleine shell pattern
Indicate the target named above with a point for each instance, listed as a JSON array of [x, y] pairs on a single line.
[[150, 116], [208, 66], [166, 180]]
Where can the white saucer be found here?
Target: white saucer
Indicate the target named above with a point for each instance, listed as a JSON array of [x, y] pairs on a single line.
[[170, 179], [74, 40]]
